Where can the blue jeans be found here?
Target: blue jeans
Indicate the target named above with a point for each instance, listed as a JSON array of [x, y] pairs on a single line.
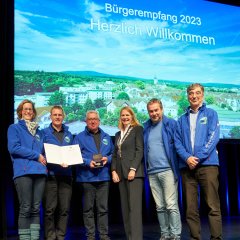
[[95, 193], [30, 190], [164, 189]]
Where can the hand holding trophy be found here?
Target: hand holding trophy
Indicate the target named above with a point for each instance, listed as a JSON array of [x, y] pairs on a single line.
[[97, 158]]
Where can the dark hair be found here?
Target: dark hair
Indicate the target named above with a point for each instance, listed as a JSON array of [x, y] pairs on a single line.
[[155, 100], [20, 108], [193, 86]]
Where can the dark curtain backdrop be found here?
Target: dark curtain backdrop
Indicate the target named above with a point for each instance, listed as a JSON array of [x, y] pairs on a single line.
[[6, 105], [229, 152]]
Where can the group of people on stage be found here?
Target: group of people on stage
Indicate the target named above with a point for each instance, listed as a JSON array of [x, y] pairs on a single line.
[[163, 149]]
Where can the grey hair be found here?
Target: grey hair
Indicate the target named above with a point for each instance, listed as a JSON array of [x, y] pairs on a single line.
[[92, 111]]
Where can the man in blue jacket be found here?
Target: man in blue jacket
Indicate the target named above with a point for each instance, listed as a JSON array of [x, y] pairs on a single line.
[[94, 175], [196, 139], [58, 189], [162, 168]]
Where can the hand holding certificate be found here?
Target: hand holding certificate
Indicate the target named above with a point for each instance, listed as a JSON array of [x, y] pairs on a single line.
[[69, 155]]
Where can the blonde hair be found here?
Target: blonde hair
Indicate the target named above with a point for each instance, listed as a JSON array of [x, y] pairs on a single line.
[[134, 119], [20, 108]]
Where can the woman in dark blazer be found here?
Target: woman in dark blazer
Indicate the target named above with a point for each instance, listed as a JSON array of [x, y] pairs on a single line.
[[127, 170]]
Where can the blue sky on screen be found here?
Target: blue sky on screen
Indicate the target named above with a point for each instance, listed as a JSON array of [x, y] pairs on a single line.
[[55, 35]]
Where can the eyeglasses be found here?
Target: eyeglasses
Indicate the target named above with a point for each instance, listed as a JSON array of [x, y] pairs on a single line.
[[27, 109], [93, 119]]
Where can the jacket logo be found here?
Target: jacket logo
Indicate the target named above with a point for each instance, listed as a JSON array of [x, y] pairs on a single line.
[[67, 139], [105, 141], [203, 120]]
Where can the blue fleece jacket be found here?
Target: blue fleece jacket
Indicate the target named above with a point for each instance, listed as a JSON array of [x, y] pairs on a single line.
[[168, 129], [206, 137], [49, 137], [25, 149], [88, 148]]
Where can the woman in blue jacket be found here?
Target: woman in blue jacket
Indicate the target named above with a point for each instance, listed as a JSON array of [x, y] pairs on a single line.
[[29, 169]]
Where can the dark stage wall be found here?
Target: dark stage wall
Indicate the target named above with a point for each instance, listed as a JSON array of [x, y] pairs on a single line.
[[229, 152]]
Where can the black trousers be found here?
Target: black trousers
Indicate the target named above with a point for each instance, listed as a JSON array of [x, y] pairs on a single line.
[[131, 204], [56, 203], [95, 195], [207, 178]]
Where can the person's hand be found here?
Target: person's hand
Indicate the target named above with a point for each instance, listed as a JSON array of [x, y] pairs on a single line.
[[104, 160], [131, 175], [115, 177], [92, 164], [192, 162], [42, 160]]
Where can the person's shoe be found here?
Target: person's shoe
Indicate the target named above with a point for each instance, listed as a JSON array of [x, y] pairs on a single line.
[[174, 238], [104, 237], [90, 237], [164, 238]]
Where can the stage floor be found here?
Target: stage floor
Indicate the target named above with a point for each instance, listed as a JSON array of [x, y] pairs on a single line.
[[231, 231]]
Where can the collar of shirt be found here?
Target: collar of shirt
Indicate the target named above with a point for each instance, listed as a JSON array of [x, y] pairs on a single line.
[[55, 130], [94, 133], [194, 112]]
